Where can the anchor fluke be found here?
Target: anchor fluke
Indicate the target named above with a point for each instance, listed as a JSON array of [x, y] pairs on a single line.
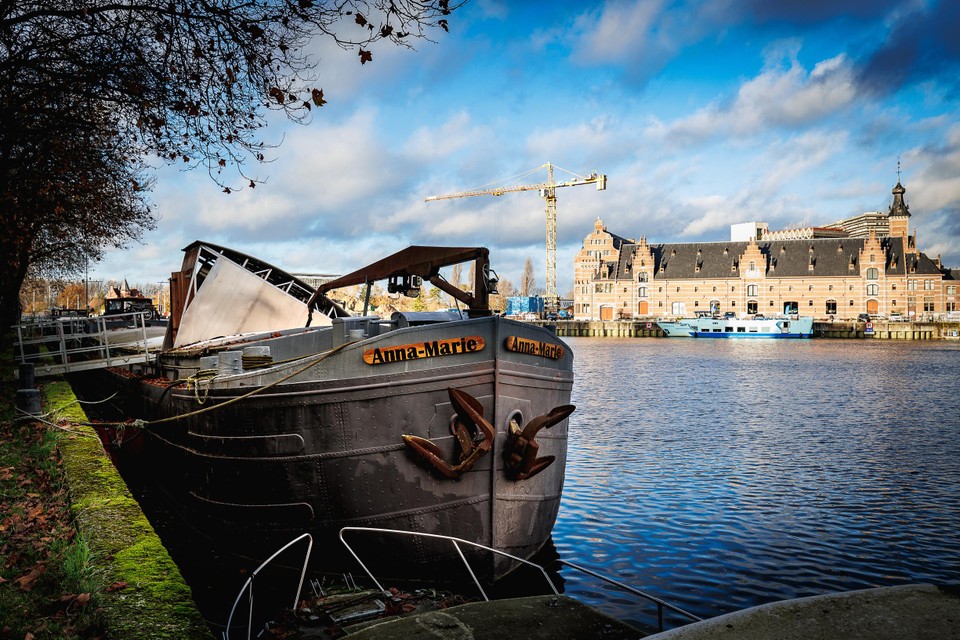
[[522, 448], [474, 434]]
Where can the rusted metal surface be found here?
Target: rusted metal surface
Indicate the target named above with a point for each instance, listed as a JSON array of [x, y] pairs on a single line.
[[424, 262], [522, 450], [474, 434]]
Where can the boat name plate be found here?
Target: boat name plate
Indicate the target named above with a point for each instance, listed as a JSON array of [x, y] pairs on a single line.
[[428, 349], [533, 347]]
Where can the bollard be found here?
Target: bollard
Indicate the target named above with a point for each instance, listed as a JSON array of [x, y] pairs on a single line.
[[26, 376], [28, 402]]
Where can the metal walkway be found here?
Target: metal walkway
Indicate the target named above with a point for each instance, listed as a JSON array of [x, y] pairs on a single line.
[[65, 345]]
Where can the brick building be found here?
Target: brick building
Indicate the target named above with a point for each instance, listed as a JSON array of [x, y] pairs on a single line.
[[779, 272]]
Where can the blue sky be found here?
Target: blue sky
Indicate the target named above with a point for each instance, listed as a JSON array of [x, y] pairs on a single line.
[[702, 114]]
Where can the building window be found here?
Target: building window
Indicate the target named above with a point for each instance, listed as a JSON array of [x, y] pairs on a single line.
[[928, 285], [928, 305], [733, 289], [810, 288], [598, 288], [753, 266], [659, 289], [678, 289], [871, 272], [851, 303], [893, 303], [696, 303], [811, 303], [751, 306], [714, 289], [911, 285], [830, 287], [751, 290], [642, 292], [642, 276], [831, 307], [771, 287], [893, 287], [951, 306], [952, 290], [733, 303], [771, 303], [873, 290]]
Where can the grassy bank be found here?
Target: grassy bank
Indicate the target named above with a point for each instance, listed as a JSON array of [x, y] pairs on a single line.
[[49, 587], [78, 559]]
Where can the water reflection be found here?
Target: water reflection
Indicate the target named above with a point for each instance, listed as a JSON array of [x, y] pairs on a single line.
[[724, 474]]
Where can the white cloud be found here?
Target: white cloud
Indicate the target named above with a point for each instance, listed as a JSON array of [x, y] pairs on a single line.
[[780, 96]]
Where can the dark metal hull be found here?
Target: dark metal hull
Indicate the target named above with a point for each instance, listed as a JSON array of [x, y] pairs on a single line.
[[322, 449]]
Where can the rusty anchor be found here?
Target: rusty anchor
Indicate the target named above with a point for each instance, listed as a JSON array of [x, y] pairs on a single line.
[[522, 448], [472, 431]]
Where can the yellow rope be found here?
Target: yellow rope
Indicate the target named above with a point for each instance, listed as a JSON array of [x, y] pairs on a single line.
[[143, 423]]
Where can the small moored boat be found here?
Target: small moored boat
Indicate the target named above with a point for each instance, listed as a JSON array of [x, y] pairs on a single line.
[[755, 327]]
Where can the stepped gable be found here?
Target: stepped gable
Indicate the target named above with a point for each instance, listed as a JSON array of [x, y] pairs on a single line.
[[785, 259]]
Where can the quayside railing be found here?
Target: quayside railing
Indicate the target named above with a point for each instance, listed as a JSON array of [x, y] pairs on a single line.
[[68, 344], [457, 542]]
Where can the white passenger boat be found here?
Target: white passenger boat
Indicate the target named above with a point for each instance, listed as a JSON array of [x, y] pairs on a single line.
[[753, 327]]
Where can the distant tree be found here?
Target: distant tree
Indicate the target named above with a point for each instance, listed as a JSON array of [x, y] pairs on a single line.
[[528, 281], [90, 89], [471, 275], [498, 302], [456, 273], [420, 302], [72, 296]]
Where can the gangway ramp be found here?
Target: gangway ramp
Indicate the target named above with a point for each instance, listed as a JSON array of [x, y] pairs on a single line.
[[56, 346]]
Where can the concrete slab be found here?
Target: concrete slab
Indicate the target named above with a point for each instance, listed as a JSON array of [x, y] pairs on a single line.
[[533, 618], [914, 612]]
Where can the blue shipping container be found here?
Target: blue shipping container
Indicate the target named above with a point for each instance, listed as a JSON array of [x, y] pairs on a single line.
[[524, 304]]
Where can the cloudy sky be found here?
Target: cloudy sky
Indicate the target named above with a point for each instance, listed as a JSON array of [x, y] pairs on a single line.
[[701, 113]]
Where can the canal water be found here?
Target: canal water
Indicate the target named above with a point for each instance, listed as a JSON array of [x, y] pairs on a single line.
[[723, 474]]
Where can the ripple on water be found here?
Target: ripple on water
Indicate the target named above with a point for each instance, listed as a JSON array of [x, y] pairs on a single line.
[[725, 474]]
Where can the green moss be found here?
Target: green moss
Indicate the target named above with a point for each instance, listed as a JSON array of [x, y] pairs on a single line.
[[148, 598]]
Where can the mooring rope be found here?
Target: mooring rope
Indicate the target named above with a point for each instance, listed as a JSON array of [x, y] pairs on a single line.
[[144, 423]]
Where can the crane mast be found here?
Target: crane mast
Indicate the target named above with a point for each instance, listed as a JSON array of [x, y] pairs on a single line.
[[548, 191]]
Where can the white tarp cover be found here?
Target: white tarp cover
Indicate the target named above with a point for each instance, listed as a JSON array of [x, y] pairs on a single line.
[[232, 300]]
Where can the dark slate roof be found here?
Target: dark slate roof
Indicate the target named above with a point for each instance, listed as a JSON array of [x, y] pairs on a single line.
[[785, 259], [951, 274]]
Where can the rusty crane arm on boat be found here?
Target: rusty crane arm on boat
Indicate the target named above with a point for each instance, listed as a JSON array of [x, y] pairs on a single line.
[[424, 262]]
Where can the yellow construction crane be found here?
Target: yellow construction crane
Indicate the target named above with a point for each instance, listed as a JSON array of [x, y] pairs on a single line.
[[548, 191]]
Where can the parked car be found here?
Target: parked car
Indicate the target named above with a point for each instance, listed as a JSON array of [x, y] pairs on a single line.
[[729, 315], [896, 317], [863, 317]]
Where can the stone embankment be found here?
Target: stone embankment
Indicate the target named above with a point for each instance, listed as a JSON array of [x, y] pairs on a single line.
[[877, 330], [146, 595]]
